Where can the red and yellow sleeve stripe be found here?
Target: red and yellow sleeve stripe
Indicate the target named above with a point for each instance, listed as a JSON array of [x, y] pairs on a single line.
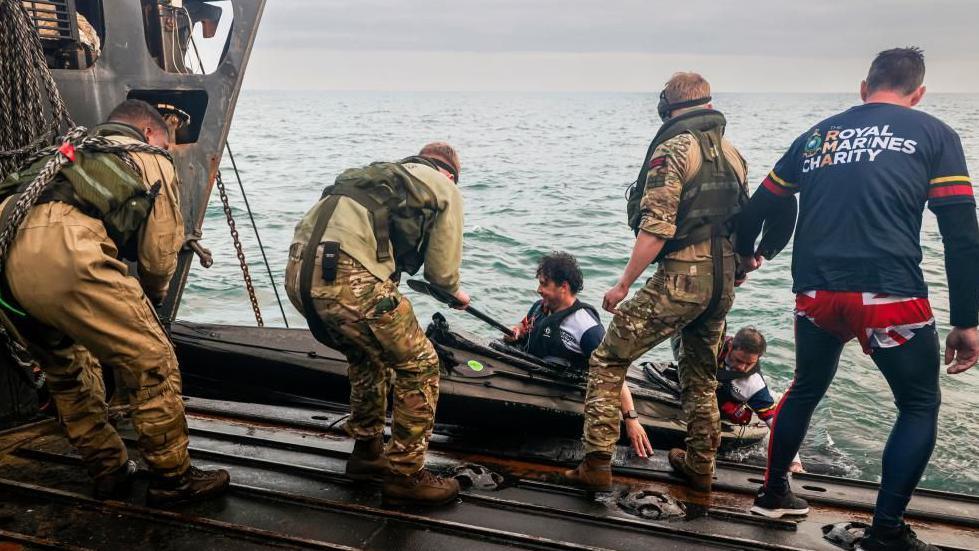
[[766, 412], [778, 186], [949, 186]]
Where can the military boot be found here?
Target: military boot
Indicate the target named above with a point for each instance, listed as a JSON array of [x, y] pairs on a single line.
[[118, 484], [194, 485], [423, 487], [899, 538], [594, 473], [696, 481], [367, 462]]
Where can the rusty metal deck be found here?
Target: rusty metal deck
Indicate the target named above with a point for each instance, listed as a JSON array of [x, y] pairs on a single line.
[[289, 491]]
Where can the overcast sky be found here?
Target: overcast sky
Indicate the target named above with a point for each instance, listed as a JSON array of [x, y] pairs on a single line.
[[605, 45]]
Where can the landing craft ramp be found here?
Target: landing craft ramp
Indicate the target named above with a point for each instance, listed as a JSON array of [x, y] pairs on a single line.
[[289, 491]]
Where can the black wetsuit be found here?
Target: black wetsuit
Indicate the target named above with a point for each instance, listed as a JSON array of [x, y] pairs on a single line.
[[865, 177]]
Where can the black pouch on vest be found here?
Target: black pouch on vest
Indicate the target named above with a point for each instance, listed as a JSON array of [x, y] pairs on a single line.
[[331, 255]]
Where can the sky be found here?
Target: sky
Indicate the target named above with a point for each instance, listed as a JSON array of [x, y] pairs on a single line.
[[605, 45]]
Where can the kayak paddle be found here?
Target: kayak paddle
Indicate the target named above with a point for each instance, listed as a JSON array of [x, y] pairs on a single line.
[[440, 295]]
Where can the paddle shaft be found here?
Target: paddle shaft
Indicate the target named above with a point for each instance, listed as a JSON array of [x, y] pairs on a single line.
[[447, 298], [506, 330]]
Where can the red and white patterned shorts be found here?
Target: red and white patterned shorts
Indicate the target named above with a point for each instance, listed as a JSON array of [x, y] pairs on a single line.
[[877, 320]]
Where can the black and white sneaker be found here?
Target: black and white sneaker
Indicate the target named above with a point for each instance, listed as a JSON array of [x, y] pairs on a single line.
[[777, 505], [901, 538]]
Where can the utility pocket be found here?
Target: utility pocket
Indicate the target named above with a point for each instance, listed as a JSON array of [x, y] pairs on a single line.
[[393, 323], [684, 288]]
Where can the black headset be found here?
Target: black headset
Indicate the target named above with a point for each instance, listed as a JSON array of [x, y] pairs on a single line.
[[664, 108]]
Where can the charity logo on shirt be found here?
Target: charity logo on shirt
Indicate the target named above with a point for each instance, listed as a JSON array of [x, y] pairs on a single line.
[[852, 145]]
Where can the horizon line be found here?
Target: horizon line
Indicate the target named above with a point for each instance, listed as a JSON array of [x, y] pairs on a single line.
[[518, 91]]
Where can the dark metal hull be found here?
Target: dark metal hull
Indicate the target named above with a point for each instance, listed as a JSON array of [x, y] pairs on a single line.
[[288, 366]]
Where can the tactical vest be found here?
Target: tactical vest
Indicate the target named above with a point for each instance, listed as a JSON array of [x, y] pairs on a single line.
[[544, 340], [402, 209], [100, 185], [710, 201]]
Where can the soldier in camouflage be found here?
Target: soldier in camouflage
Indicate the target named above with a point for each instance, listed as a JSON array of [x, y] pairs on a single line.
[[690, 187], [357, 309]]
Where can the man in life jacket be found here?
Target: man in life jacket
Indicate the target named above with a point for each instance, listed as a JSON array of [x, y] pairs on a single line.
[[690, 188], [742, 388], [561, 329], [78, 307], [344, 265], [865, 177]]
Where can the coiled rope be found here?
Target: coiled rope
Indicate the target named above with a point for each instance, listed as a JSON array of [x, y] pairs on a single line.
[[26, 89], [25, 134]]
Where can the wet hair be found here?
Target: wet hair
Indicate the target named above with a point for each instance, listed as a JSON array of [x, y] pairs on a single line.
[[442, 153], [561, 267], [685, 87], [898, 69], [140, 114], [749, 340]]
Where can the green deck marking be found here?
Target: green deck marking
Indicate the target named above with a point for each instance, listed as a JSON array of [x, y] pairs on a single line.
[[474, 365]]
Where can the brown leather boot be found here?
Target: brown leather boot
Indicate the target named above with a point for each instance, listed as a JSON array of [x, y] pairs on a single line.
[[118, 484], [367, 462], [696, 481], [594, 473], [423, 488], [194, 485]]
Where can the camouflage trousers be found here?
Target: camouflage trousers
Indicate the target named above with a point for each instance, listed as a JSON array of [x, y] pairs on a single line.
[[674, 300], [376, 329], [87, 313]]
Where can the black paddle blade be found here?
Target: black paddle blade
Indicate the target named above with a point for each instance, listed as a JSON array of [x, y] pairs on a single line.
[[427, 288]]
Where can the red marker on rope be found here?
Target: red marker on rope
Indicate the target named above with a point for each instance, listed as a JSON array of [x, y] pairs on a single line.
[[68, 150]]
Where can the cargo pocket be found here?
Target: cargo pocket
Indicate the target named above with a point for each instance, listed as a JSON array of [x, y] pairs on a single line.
[[684, 288], [292, 282], [393, 323]]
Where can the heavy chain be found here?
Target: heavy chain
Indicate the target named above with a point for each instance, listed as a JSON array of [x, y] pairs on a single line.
[[239, 251]]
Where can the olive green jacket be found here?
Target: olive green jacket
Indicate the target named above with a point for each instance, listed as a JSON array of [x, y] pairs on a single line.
[[351, 227]]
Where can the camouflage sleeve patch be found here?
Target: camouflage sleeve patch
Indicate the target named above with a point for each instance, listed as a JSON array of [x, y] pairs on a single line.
[[664, 183]]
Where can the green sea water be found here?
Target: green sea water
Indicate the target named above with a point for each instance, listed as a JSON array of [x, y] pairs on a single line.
[[546, 172]]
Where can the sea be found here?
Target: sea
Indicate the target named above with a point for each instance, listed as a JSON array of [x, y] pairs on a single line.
[[549, 171]]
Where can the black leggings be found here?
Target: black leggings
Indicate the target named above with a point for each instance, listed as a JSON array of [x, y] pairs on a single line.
[[911, 371]]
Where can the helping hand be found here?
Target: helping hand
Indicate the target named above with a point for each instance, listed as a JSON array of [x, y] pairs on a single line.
[[462, 300], [749, 264], [517, 333], [638, 437], [613, 297], [961, 345]]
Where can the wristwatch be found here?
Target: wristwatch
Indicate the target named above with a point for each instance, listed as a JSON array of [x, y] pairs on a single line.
[[631, 414]]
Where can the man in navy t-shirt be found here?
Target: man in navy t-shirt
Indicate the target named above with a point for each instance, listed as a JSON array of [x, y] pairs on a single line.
[[864, 177]]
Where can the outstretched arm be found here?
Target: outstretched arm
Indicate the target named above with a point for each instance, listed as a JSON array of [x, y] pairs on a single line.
[[960, 235], [778, 228], [658, 209], [776, 213]]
